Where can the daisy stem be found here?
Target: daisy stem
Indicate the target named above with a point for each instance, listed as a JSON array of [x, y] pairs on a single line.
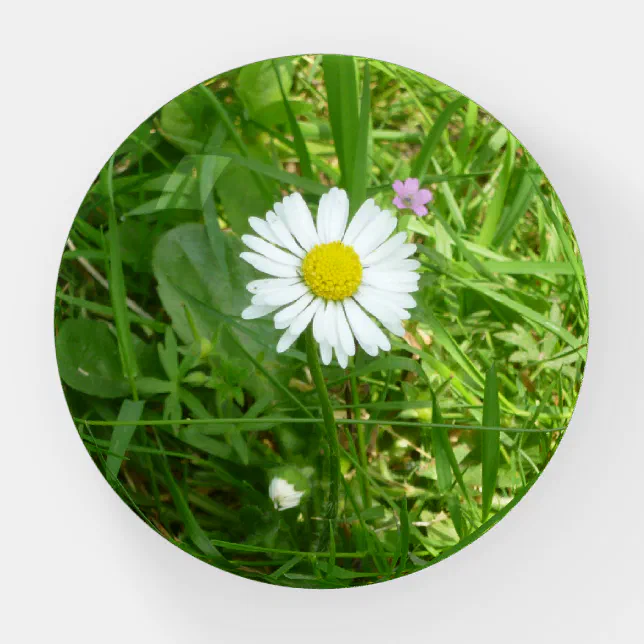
[[329, 423]]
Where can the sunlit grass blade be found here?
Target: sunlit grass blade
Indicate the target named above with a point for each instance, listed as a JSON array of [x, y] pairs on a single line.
[[341, 80], [440, 446], [495, 209], [490, 441], [423, 159], [525, 311], [567, 246], [358, 191], [516, 211]]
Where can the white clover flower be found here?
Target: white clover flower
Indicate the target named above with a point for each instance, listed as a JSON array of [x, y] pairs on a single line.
[[283, 494], [331, 274]]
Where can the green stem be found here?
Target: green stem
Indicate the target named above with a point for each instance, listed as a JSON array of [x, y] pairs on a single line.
[[329, 423], [362, 445]]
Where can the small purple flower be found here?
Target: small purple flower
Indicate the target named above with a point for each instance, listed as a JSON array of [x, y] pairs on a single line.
[[409, 196]]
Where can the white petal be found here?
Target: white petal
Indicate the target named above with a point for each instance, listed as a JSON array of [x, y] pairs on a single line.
[[281, 296], [403, 300], [279, 229], [318, 325], [289, 501], [375, 233], [397, 254], [383, 313], [391, 282], [268, 266], [333, 213], [366, 213], [257, 311], [326, 352], [383, 250], [268, 284], [261, 227], [302, 320], [286, 341], [389, 275], [324, 212], [365, 329], [268, 250], [407, 265], [330, 324], [341, 355], [344, 332], [294, 212], [287, 315]]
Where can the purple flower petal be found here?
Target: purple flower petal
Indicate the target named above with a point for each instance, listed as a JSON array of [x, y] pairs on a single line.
[[423, 196], [421, 211], [399, 187], [398, 202], [411, 185]]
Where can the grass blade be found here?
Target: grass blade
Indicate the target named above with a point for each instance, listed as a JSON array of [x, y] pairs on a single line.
[[287, 178], [298, 139], [490, 441], [341, 80], [440, 446], [131, 410], [404, 535], [117, 286], [493, 214], [358, 191], [194, 530], [421, 162]]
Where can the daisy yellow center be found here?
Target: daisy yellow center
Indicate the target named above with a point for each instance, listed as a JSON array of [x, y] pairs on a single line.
[[332, 271]]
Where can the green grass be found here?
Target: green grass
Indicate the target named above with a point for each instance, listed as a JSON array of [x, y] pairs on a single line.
[[189, 412]]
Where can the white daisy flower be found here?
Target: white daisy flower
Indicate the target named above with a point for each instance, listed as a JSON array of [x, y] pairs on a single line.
[[331, 275], [283, 494]]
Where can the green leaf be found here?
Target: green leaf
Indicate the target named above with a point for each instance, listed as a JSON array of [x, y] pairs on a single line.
[[277, 113], [490, 441], [259, 89], [184, 257], [240, 198], [88, 359], [169, 355], [186, 120], [131, 410], [273, 172], [186, 271]]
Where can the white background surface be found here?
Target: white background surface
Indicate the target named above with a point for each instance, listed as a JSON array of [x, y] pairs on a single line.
[[564, 566]]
